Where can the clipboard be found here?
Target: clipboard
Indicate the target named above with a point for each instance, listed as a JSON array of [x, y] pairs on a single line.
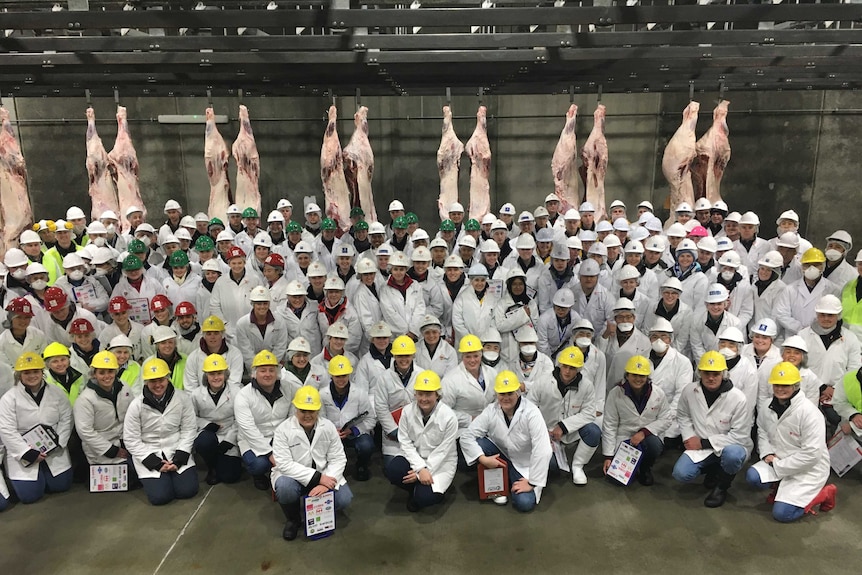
[[765, 471], [353, 420], [42, 438], [320, 515], [396, 415], [844, 453], [109, 478], [625, 463], [493, 482], [84, 293], [140, 311]]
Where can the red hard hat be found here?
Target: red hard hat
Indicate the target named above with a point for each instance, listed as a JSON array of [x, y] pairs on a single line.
[[55, 298], [119, 304], [81, 325], [274, 260], [20, 306], [159, 303], [235, 252], [185, 308]]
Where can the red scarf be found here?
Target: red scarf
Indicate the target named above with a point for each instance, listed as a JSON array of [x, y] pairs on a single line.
[[408, 281], [332, 314]]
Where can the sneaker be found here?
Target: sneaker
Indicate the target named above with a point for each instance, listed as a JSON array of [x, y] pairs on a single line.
[[501, 499]]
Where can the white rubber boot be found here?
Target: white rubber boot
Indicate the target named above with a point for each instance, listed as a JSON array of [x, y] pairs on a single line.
[[582, 456]]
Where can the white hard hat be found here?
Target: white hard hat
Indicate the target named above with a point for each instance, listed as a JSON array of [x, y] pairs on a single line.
[[723, 244], [690, 225], [491, 335], [283, 203], [628, 272], [467, 241], [716, 293], [456, 207], [144, 227], [312, 207], [586, 207], [604, 226], [571, 214], [15, 258], [646, 204], [589, 267], [653, 224], [170, 239], [540, 212], [545, 235], [163, 333], [622, 225], [453, 261], [612, 241], [507, 209], [686, 246], [719, 205], [564, 298], [560, 252], [788, 240], [859, 256], [423, 254], [661, 325], [655, 244], [334, 283], [526, 217], [96, 227], [366, 266], [275, 216], [37, 268], [263, 240], [132, 210], [526, 334], [587, 235], [478, 271], [552, 198], [672, 283], [771, 259], [419, 234], [634, 247], [796, 342], [429, 320], [183, 234], [74, 213], [102, 256], [639, 233], [617, 204], [376, 228], [380, 329], [624, 304], [302, 247], [676, 230], [210, 266], [121, 340], [749, 218], [398, 259], [299, 345], [731, 334], [295, 288], [765, 326], [29, 237], [72, 260], [315, 270], [187, 222], [707, 244], [828, 304], [396, 205], [730, 259], [788, 215], [201, 217], [344, 250], [337, 329], [260, 294], [172, 205], [598, 249], [110, 215], [525, 242], [488, 247], [702, 204], [499, 225], [488, 219], [841, 236], [384, 250], [733, 217], [683, 208], [574, 243]]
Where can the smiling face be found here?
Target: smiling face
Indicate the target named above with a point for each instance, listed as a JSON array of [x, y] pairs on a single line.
[[793, 355], [784, 392], [426, 400], [122, 353], [340, 382], [508, 400], [827, 320], [472, 360], [431, 335], [158, 386], [403, 362], [105, 377], [307, 418], [167, 348], [58, 364], [299, 360]]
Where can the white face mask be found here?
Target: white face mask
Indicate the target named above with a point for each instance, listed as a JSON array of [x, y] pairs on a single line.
[[19, 274], [99, 241], [39, 285], [146, 240], [833, 255], [112, 230], [727, 353], [491, 355], [583, 342], [727, 276], [812, 273], [625, 327], [528, 350], [100, 272], [76, 275], [659, 346]]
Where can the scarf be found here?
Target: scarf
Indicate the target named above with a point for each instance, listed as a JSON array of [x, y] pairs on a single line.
[[454, 287], [709, 264], [747, 243], [828, 337], [730, 285], [399, 245], [332, 314], [416, 276], [87, 356], [361, 245], [522, 299], [641, 400], [271, 396], [762, 285], [136, 284], [172, 360], [683, 274], [221, 351], [159, 404], [712, 396], [301, 374], [561, 278], [714, 324], [66, 379], [208, 285], [402, 289], [526, 266], [385, 357]]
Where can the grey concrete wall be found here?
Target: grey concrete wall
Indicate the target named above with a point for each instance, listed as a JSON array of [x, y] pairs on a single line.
[[790, 149]]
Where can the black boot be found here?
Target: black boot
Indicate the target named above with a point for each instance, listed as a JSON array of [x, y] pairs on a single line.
[[291, 526], [645, 476], [710, 480], [212, 477], [261, 482], [718, 495], [362, 472]]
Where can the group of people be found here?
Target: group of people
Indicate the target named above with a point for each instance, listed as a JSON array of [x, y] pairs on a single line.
[[525, 340]]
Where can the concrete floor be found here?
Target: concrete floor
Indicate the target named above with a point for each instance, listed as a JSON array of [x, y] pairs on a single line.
[[598, 528]]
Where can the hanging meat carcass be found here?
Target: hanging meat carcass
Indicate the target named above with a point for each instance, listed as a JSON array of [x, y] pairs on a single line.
[[448, 164], [247, 165], [712, 156], [216, 158], [359, 166], [16, 214], [335, 190], [479, 149], [678, 156], [564, 164], [103, 193], [594, 156], [124, 170]]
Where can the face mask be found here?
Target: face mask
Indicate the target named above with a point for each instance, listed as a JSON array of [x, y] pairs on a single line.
[[490, 355], [812, 273], [625, 327], [659, 346], [583, 342], [528, 350], [112, 230], [727, 353], [146, 240], [833, 255], [76, 275], [727, 276], [79, 230], [99, 241], [39, 285], [19, 274], [100, 272]]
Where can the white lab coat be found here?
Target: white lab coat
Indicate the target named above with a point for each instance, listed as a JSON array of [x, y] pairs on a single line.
[[230, 300], [843, 274], [599, 308], [621, 418], [542, 369], [509, 317], [573, 410], [150, 288], [319, 376], [702, 338], [202, 301], [56, 332], [810, 387], [432, 294], [750, 258], [304, 325], [146, 431], [617, 356], [524, 441], [430, 445], [187, 291], [111, 331], [300, 459], [369, 310], [10, 349], [681, 322], [221, 413], [256, 419], [462, 392], [742, 303], [99, 423], [193, 374], [471, 316], [390, 395], [250, 342], [694, 288], [672, 375], [18, 414], [726, 422], [100, 302], [357, 403], [552, 339], [799, 445], [367, 372], [744, 378], [402, 313], [765, 304], [351, 320], [794, 309], [445, 357], [831, 364]]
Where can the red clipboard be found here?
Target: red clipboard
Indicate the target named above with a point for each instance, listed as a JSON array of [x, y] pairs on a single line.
[[396, 415], [496, 483]]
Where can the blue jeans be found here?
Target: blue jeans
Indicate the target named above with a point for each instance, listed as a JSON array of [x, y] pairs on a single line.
[[288, 491], [422, 495], [227, 468], [781, 512], [364, 446], [590, 434], [256, 464], [169, 486], [521, 501], [33, 491], [732, 459]]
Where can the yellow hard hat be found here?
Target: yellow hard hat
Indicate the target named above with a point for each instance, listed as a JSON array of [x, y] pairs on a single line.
[[469, 343], [712, 361], [785, 373], [212, 323], [428, 381], [403, 345], [571, 356], [340, 365], [265, 357], [155, 369], [638, 365], [813, 256], [29, 360], [307, 398], [55, 349], [105, 360], [506, 382], [215, 362]]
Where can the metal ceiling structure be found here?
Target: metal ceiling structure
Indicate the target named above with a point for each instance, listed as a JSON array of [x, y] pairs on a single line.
[[335, 48]]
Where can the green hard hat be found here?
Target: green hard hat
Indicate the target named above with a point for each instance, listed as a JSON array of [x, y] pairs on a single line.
[[361, 225], [447, 225], [136, 246], [472, 225], [327, 224], [249, 213], [178, 259], [411, 218], [204, 244], [357, 211], [132, 263], [293, 227], [215, 222], [400, 223]]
